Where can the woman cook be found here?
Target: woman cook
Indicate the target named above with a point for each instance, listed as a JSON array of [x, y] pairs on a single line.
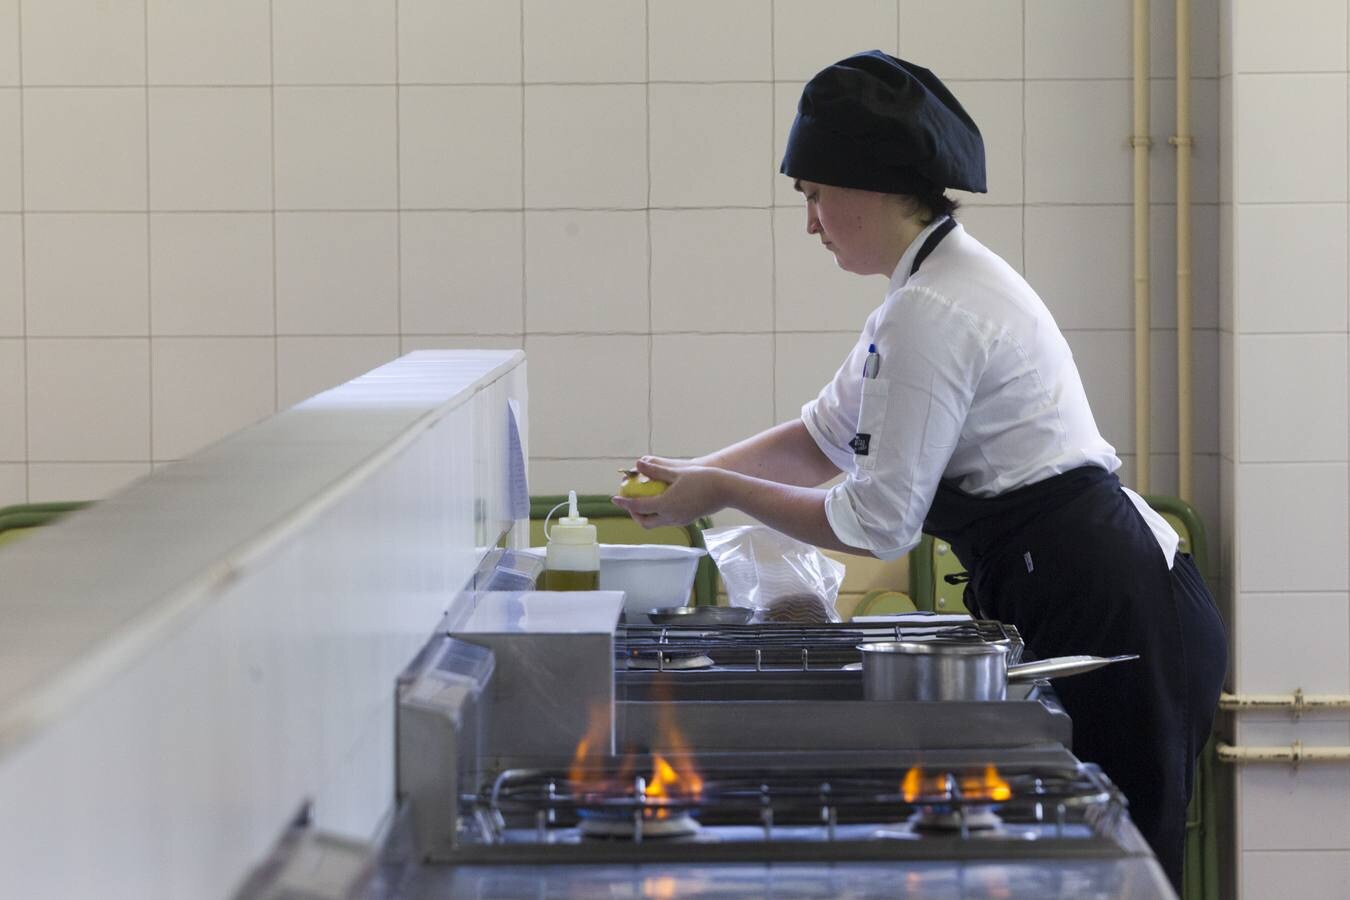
[[960, 412]]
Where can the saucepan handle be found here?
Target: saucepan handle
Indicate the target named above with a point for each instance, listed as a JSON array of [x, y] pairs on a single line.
[[1059, 666]]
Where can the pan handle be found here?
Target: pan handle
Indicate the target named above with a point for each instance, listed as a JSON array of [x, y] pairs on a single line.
[[1059, 666]]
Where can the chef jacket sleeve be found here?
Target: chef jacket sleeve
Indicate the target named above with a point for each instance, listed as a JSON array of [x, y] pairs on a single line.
[[932, 356]]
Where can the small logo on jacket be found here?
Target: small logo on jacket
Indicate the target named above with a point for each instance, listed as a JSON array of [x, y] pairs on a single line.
[[860, 443]]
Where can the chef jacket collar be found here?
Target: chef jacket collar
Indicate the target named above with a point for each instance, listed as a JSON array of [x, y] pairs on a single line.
[[901, 273]]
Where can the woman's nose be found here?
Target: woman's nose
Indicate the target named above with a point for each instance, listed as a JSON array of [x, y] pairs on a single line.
[[812, 224]]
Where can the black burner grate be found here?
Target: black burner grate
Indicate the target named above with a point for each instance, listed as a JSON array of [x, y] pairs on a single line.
[[1062, 802], [781, 646]]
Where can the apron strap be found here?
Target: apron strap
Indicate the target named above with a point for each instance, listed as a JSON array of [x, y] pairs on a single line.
[[931, 244]]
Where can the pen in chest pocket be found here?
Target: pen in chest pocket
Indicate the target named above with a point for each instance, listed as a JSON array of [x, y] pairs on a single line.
[[873, 362], [861, 443]]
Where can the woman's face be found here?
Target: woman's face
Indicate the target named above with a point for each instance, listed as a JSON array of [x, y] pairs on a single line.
[[861, 228]]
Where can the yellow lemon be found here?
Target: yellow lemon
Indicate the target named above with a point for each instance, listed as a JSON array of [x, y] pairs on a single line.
[[641, 486]]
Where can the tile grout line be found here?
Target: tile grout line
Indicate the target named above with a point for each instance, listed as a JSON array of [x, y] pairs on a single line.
[[149, 297], [1023, 54], [1056, 204], [398, 187], [773, 229], [524, 230], [1092, 79], [651, 338], [761, 332], [272, 147], [898, 5], [23, 271]]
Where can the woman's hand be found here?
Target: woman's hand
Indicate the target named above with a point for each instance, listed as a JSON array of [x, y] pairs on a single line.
[[699, 490], [694, 491], [668, 463]]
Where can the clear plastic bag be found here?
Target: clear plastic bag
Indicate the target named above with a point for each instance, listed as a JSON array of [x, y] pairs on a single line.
[[781, 578]]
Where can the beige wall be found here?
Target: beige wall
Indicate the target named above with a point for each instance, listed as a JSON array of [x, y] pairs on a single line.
[[1284, 439]]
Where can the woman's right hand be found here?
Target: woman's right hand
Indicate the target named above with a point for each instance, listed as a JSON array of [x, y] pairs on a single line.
[[694, 491]]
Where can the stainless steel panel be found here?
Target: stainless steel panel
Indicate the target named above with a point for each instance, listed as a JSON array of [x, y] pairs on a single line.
[[555, 672], [439, 738], [731, 725]]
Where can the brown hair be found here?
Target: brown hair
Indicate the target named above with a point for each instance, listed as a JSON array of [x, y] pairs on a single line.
[[929, 206]]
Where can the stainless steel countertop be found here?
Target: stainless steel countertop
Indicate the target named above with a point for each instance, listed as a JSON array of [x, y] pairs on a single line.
[[1133, 878]]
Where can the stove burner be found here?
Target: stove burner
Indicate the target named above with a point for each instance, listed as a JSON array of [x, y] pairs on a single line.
[[617, 825], [749, 813], [669, 660], [943, 819]]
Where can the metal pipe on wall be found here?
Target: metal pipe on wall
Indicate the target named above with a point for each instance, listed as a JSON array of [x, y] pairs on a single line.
[[1297, 702], [1141, 143], [1183, 142], [1295, 753]]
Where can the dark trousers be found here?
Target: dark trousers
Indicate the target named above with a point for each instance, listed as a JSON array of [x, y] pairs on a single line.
[[1073, 565], [1144, 722]]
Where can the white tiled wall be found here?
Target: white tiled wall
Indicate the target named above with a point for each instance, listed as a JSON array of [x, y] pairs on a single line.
[[1285, 389], [1294, 809], [566, 250], [233, 376], [702, 256], [112, 252], [211, 273], [475, 290], [209, 211], [307, 365], [1318, 873], [706, 389], [337, 273]]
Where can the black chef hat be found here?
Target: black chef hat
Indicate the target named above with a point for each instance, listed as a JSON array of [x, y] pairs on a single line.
[[882, 124]]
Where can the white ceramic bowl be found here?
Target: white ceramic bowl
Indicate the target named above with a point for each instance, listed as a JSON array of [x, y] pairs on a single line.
[[650, 575]]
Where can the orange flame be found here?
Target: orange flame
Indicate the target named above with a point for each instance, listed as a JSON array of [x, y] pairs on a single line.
[[990, 786], [918, 786], [666, 785], [592, 747], [668, 782]]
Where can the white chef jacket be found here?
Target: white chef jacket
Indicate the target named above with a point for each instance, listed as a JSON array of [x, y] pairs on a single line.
[[976, 384]]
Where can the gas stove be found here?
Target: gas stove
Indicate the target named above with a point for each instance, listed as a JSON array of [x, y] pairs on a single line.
[[1039, 823], [535, 760]]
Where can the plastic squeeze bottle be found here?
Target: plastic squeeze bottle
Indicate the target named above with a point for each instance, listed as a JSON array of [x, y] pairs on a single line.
[[572, 558]]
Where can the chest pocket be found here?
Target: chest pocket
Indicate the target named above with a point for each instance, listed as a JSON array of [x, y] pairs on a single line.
[[871, 423]]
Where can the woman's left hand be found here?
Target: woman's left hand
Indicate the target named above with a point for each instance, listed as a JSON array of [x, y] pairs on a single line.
[[694, 491]]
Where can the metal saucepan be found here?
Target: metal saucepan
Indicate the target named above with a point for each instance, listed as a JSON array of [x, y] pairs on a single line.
[[700, 616], [937, 670]]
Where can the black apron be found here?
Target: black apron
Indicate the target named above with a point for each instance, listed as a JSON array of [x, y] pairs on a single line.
[[1072, 564]]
